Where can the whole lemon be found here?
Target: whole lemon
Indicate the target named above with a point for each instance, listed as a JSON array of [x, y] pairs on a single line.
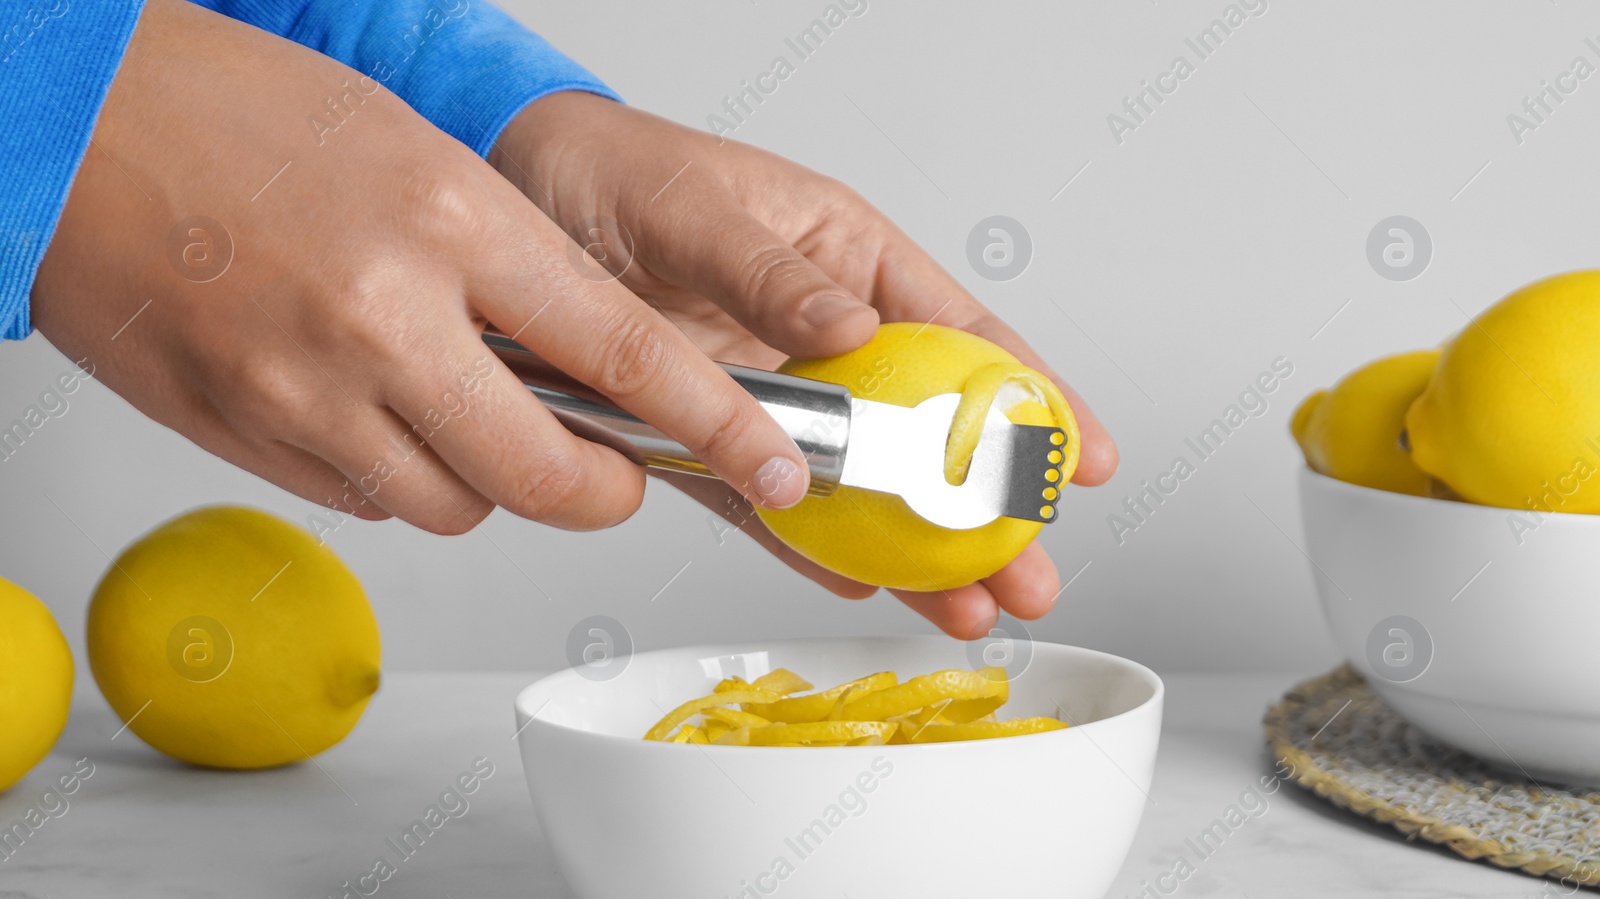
[[1512, 415], [35, 682], [1352, 432], [875, 537], [229, 637]]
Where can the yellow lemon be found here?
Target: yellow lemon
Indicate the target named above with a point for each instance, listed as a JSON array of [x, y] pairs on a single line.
[[1352, 432], [1512, 416], [35, 682], [875, 537], [229, 637]]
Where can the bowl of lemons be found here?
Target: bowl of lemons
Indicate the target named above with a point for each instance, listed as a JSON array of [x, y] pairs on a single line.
[[1452, 519], [873, 766]]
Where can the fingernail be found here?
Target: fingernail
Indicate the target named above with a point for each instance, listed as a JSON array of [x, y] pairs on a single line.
[[780, 483], [825, 310]]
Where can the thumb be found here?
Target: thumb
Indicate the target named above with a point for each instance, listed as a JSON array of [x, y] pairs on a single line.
[[762, 281]]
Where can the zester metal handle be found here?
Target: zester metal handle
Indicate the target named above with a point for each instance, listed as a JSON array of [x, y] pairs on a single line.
[[815, 414]]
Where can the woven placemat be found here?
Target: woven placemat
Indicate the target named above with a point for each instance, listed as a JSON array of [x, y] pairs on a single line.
[[1345, 745]]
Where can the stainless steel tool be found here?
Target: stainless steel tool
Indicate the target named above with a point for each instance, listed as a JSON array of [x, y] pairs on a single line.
[[1015, 471]]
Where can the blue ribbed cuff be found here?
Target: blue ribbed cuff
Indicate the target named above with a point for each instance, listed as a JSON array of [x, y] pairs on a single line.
[[466, 66], [57, 60]]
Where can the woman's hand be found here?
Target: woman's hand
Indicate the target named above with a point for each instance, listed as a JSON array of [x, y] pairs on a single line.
[[282, 261], [757, 259]]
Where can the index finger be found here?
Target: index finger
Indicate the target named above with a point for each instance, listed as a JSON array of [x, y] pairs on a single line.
[[602, 334]]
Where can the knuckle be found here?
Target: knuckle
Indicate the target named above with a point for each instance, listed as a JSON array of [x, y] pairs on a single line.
[[785, 283], [444, 204], [838, 194], [838, 202], [635, 356], [769, 270], [732, 430], [272, 385], [359, 305], [844, 212], [550, 489]]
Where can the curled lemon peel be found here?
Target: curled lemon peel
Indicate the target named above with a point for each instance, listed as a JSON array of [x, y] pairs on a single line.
[[681, 715], [876, 710], [819, 733], [817, 706], [980, 393], [984, 730], [929, 689]]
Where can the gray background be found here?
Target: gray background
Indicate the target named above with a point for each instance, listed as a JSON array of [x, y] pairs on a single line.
[[1226, 231]]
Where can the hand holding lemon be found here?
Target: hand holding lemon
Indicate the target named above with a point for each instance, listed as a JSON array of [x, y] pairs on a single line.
[[875, 538], [229, 638], [1000, 568]]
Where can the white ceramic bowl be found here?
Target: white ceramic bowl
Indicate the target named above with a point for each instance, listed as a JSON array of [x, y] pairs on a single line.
[[1048, 814], [1467, 621]]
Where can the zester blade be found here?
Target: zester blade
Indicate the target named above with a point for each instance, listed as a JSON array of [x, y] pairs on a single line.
[[900, 450]]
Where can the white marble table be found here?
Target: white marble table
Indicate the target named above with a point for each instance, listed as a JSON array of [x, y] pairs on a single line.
[[141, 825]]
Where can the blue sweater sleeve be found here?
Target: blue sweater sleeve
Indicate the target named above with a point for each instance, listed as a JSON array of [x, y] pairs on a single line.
[[464, 65], [57, 60]]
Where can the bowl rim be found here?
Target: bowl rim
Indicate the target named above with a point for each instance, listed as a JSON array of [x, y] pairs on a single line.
[[521, 703], [1309, 475]]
